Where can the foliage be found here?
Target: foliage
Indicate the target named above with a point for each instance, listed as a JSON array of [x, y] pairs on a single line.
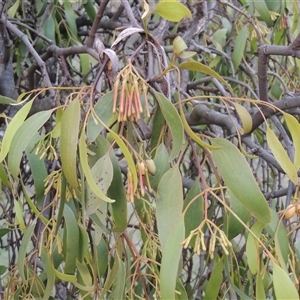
[[149, 150]]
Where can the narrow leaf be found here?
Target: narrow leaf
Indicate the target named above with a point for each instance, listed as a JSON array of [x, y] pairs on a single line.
[[12, 128], [252, 247], [102, 172], [245, 118], [281, 156], [214, 283], [169, 203], [23, 248], [239, 47], [174, 122], [87, 171], [294, 128], [283, 285], [103, 110], [69, 140], [23, 137], [263, 11], [237, 175], [71, 240], [198, 67], [170, 259]]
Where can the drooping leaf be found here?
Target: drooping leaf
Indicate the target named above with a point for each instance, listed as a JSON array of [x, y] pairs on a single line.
[[103, 110], [89, 8], [239, 47], [101, 257], [245, 118], [71, 240], [69, 140], [46, 259], [198, 67], [87, 171], [234, 225], [23, 249], [70, 17], [38, 170], [283, 285], [263, 11], [83, 242], [169, 203], [172, 10], [294, 128], [170, 258], [260, 291], [119, 290], [116, 190], [23, 137], [278, 231], [252, 247], [174, 122], [161, 159], [215, 280], [13, 127], [237, 175], [281, 156], [195, 213], [102, 172], [49, 28]]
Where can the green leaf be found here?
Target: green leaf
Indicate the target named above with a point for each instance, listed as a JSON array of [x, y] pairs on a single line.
[[161, 159], [49, 28], [170, 258], [90, 10], [214, 283], [71, 240], [119, 290], [238, 176], [83, 243], [38, 170], [87, 171], [281, 156], [70, 17], [294, 128], [263, 11], [103, 110], [234, 225], [23, 248], [260, 291], [13, 127], [157, 127], [195, 213], [6, 100], [46, 259], [179, 45], [245, 118], [169, 203], [174, 122], [102, 173], [4, 231], [283, 285], [172, 10], [23, 137], [252, 247], [69, 140], [239, 47], [101, 257], [198, 67], [278, 231]]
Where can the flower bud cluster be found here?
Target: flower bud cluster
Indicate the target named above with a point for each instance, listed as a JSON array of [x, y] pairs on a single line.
[[128, 88]]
